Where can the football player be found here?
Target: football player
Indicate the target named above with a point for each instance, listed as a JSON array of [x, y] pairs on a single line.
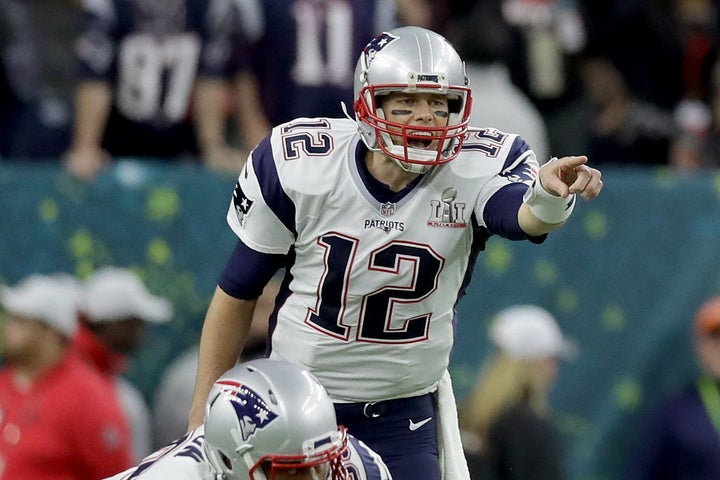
[[313, 46], [264, 420], [143, 64], [378, 221]]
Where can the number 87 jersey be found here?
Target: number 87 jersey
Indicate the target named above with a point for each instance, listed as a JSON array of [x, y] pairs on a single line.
[[374, 274]]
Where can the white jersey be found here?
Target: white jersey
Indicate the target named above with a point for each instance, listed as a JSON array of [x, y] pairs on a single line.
[[181, 460], [184, 460], [370, 307]]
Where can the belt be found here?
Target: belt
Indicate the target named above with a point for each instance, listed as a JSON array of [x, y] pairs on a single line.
[[382, 407]]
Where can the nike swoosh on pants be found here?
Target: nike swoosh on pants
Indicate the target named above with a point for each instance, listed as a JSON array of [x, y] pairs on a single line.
[[414, 426]]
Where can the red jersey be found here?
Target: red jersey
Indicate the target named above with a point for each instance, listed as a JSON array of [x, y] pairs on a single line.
[[66, 425], [97, 354]]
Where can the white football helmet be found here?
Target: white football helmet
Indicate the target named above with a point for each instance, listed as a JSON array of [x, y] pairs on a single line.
[[271, 415], [411, 60]]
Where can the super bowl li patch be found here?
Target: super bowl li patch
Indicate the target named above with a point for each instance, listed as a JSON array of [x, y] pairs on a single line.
[[242, 203]]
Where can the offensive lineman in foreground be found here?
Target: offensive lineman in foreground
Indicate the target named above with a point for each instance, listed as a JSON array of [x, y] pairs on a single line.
[[378, 222], [264, 420]]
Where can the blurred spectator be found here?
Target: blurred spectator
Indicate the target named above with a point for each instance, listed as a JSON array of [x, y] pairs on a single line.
[[508, 430], [623, 129], [696, 145], [689, 150], [681, 439], [639, 38], [711, 152], [313, 46], [696, 26], [143, 62], [547, 38], [58, 417], [484, 40], [114, 312], [38, 65], [662, 53], [175, 391]]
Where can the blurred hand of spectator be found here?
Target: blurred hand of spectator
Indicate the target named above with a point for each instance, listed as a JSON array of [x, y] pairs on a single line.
[[86, 163]]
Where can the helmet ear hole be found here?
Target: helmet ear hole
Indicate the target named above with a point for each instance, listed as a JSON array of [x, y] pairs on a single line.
[[226, 461]]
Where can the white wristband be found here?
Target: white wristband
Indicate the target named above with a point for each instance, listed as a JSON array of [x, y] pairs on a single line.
[[547, 207]]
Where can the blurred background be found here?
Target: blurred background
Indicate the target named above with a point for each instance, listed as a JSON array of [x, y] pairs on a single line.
[[631, 83]]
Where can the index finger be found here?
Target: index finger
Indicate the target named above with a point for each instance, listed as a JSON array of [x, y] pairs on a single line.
[[571, 161]]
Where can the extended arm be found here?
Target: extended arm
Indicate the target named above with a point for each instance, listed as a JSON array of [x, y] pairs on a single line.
[[86, 157]]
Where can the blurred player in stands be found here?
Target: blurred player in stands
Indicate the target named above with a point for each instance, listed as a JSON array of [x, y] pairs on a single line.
[[302, 66], [154, 81], [264, 419], [37, 77], [378, 221]]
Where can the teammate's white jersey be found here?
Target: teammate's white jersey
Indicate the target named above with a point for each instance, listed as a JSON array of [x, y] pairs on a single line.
[[183, 460], [370, 309]]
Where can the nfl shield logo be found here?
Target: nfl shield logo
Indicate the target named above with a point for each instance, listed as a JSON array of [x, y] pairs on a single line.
[[387, 209]]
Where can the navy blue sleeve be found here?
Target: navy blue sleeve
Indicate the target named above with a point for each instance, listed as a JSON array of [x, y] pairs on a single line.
[[500, 214], [270, 186], [248, 271]]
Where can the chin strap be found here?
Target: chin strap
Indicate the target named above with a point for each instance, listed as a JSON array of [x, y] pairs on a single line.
[[345, 111]]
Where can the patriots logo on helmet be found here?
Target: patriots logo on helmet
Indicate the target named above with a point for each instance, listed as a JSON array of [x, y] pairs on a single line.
[[250, 408], [377, 44]]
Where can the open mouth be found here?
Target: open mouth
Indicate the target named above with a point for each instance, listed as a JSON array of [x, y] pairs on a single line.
[[419, 139], [419, 143]]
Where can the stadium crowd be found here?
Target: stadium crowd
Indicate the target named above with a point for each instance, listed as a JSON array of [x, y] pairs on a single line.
[[628, 82]]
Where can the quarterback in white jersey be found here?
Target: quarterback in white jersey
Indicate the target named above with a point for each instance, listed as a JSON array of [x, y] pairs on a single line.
[[266, 420], [377, 222], [374, 281]]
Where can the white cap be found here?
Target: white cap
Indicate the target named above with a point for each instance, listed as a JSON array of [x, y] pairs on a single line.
[[527, 331], [114, 293], [51, 299]]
